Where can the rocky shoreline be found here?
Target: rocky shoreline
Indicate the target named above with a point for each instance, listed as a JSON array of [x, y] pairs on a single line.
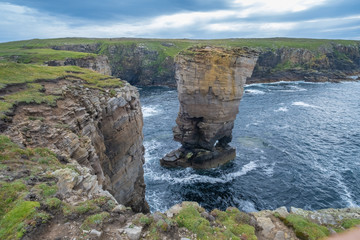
[[72, 153]]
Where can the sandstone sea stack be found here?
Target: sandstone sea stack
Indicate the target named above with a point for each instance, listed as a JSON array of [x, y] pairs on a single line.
[[210, 83]]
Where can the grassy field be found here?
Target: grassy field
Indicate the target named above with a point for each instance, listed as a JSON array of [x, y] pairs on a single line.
[[37, 50]]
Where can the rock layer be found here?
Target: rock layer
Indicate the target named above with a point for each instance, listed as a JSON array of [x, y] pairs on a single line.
[[99, 64], [101, 131], [210, 84]]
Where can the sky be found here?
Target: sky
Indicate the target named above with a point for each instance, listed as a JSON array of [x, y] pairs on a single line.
[[194, 19]]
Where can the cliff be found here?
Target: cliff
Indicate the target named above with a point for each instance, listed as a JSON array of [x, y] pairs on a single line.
[[99, 63], [210, 83], [327, 63], [75, 114], [151, 62]]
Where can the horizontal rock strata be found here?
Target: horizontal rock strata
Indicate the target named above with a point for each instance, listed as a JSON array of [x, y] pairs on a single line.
[[210, 85], [99, 130]]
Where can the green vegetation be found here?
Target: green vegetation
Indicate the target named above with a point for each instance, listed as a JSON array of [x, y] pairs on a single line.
[[305, 229], [350, 223], [38, 56], [28, 75], [13, 222], [94, 221], [53, 203], [231, 224]]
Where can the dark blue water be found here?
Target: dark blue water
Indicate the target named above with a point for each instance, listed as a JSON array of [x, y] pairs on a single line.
[[298, 144]]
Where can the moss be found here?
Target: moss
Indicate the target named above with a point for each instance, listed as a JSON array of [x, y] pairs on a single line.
[[94, 221], [46, 190], [191, 219], [350, 223], [305, 229], [143, 220], [9, 193], [53, 203], [89, 206], [13, 223]]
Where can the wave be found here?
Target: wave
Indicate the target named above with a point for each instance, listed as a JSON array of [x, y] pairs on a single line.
[[302, 104], [151, 110], [281, 109], [254, 91], [189, 177]]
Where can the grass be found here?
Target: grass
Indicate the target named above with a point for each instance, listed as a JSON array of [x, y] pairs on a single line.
[[12, 223], [29, 75], [350, 223], [231, 224], [38, 56], [305, 229], [94, 221], [13, 73], [17, 213]]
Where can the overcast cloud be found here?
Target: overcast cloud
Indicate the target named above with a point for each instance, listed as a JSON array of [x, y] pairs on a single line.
[[200, 19]]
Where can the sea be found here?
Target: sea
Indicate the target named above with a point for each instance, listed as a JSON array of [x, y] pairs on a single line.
[[297, 144]]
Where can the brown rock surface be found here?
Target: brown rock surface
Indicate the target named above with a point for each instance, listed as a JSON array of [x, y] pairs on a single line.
[[99, 64], [210, 84], [100, 131]]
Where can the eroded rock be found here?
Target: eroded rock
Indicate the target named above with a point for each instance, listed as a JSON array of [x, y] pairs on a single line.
[[210, 85]]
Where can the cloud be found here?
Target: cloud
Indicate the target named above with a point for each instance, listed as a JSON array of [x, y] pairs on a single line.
[[20, 22]]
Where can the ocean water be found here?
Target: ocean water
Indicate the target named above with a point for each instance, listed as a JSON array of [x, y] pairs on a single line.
[[297, 144]]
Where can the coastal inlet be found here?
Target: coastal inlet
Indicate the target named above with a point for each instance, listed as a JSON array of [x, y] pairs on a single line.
[[297, 144]]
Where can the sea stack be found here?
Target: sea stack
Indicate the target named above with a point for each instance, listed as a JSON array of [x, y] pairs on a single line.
[[210, 83]]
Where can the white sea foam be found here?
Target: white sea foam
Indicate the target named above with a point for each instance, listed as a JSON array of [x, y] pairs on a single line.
[[189, 176], [150, 146], [150, 110], [353, 77], [281, 109], [302, 104], [346, 196], [254, 91]]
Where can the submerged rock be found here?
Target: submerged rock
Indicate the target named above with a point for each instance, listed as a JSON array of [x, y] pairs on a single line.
[[210, 83]]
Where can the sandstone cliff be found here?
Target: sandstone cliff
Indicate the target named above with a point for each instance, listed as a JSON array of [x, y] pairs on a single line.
[[327, 63], [99, 64], [151, 62], [100, 130], [210, 84]]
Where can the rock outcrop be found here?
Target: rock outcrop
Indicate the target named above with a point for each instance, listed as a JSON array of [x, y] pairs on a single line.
[[99, 63], [101, 131], [210, 83]]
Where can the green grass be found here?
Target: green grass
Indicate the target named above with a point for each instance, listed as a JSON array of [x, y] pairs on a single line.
[[29, 74], [231, 224], [13, 73], [94, 221], [12, 223], [38, 56], [350, 223], [305, 229]]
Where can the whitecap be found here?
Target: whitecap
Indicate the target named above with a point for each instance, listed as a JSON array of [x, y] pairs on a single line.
[[346, 196], [189, 177], [302, 104], [149, 111], [353, 77], [281, 109], [254, 91]]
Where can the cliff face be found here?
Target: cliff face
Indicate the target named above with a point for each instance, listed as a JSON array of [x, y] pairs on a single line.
[[99, 64], [210, 85], [141, 66], [331, 63], [99, 130]]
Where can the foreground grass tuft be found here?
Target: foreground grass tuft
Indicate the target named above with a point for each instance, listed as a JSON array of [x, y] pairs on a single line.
[[305, 229]]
